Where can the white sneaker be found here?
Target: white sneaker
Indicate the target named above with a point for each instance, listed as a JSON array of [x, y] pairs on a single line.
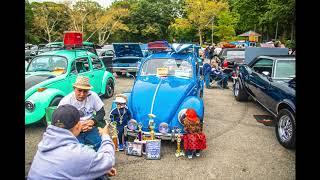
[[198, 154], [190, 156]]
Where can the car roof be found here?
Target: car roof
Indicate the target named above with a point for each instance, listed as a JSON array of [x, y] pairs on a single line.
[[69, 54], [168, 55], [278, 56], [234, 49]]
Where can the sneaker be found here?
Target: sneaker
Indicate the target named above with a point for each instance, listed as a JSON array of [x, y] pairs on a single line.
[[189, 156], [120, 147], [198, 154]]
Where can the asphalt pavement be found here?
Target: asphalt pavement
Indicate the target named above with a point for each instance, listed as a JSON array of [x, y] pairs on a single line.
[[239, 146]]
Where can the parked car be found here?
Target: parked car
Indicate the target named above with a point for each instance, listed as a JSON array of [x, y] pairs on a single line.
[[232, 56], [50, 75], [270, 80], [167, 83], [106, 54], [127, 57]]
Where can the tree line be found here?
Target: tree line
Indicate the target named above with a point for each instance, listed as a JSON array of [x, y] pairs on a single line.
[[196, 21]]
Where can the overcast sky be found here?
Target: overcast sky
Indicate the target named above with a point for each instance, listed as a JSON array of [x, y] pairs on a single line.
[[103, 3]]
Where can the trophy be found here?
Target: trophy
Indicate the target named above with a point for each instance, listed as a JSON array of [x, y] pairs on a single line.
[[151, 126], [114, 135], [140, 131], [179, 152]]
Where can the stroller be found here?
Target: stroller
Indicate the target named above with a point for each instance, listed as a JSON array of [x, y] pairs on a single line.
[[213, 78]]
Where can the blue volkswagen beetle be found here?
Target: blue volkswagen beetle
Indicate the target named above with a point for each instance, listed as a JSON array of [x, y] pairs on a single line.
[[167, 83]]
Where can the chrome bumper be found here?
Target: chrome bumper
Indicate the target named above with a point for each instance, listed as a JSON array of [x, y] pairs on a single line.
[[127, 69], [167, 136]]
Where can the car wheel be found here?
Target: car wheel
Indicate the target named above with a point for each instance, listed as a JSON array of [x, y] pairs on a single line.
[[239, 92], [54, 102], [286, 129], [109, 89]]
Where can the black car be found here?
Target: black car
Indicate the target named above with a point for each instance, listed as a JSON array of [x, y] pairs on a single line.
[[270, 80], [232, 56]]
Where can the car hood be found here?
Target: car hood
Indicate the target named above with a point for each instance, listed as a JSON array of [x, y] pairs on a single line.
[[127, 50], [159, 96], [34, 80]]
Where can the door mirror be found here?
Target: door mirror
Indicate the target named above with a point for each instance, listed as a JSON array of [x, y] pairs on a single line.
[[266, 73]]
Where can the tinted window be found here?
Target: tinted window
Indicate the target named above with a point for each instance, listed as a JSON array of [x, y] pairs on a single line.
[[263, 65], [285, 69]]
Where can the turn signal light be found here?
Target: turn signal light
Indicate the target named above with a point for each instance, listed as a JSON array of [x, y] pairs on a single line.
[[41, 89]]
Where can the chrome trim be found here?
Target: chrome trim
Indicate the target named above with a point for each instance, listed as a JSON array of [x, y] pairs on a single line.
[[154, 95]]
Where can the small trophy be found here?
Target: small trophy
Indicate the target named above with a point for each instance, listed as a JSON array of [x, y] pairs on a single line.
[[151, 126], [140, 131], [179, 152], [114, 133]]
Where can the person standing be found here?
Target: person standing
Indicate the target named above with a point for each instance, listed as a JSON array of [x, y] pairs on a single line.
[[61, 156], [91, 111]]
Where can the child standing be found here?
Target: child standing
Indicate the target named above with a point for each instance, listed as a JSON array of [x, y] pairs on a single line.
[[194, 140], [121, 115]]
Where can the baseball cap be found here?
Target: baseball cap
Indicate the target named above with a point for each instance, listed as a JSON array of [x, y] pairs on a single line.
[[65, 116], [191, 114]]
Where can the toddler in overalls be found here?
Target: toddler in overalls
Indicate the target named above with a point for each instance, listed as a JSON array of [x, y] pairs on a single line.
[[194, 140], [121, 115]]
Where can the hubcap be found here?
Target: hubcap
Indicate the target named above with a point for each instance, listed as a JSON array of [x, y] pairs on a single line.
[[236, 89], [109, 89], [285, 128]]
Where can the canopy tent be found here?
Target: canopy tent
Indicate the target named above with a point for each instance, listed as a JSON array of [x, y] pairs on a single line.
[[250, 33]]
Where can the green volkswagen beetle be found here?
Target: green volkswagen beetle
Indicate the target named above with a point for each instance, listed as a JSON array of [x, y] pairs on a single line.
[[50, 75]]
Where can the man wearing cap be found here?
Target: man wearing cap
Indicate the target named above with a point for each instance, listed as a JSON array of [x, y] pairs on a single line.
[[121, 115], [91, 111], [61, 156]]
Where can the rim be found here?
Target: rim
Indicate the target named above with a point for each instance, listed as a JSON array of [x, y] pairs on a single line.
[[285, 128], [109, 88], [236, 88]]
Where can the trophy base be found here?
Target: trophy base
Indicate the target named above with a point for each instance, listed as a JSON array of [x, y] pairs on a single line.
[[178, 154]]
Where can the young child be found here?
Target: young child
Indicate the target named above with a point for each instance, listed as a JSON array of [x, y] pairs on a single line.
[[194, 140], [121, 115]]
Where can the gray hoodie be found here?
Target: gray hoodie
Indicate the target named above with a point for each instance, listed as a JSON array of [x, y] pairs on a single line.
[[61, 156]]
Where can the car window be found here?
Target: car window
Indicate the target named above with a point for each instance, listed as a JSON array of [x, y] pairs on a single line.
[[81, 65], [96, 63], [285, 69], [47, 63], [263, 65], [109, 53], [175, 67]]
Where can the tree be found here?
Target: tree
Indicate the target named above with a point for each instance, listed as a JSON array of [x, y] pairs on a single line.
[[199, 14], [49, 18], [226, 23], [28, 22]]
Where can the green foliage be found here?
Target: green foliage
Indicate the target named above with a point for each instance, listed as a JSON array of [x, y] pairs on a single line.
[[149, 20]]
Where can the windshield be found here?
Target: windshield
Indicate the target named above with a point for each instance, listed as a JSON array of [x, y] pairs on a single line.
[[234, 54], [47, 63], [285, 69], [174, 67]]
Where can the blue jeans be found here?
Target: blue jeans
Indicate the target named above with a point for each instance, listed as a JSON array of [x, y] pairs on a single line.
[[120, 133], [91, 137], [207, 80]]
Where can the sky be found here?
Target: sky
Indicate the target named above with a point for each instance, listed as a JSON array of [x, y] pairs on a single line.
[[103, 3]]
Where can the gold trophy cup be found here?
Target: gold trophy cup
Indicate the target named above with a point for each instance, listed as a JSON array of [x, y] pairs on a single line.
[[179, 152], [114, 136], [151, 126]]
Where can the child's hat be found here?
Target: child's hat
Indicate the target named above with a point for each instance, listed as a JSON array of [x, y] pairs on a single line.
[[191, 114], [120, 99]]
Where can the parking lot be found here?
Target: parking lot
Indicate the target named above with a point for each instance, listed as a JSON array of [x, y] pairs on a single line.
[[239, 147]]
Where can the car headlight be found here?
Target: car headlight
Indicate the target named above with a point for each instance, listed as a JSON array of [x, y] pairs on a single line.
[[29, 106], [163, 128], [132, 124], [180, 114]]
